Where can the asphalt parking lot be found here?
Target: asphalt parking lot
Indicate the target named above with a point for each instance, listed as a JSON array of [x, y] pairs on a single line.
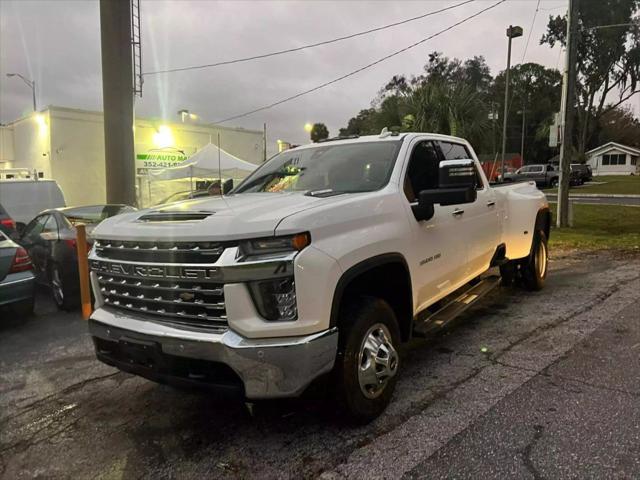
[[541, 385]]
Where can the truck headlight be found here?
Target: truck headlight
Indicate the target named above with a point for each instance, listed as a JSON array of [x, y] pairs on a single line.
[[269, 246], [275, 299]]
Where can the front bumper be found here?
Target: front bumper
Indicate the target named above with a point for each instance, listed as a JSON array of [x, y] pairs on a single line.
[[258, 368]]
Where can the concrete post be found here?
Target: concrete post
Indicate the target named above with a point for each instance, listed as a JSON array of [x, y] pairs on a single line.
[[117, 98]]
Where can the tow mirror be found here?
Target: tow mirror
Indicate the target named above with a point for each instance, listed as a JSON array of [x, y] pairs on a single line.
[[457, 185], [227, 186], [457, 174]]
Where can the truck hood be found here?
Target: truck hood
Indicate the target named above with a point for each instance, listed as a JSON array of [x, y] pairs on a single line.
[[232, 217]]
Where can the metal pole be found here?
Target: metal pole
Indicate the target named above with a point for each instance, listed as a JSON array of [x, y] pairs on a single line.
[[219, 165], [566, 147], [33, 92], [117, 94], [264, 142], [524, 114], [506, 110]]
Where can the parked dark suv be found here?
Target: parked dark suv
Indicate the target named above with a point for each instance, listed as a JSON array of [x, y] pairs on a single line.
[[582, 171]]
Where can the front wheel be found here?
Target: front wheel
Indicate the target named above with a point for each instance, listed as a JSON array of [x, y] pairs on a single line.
[[60, 291], [553, 183], [368, 359]]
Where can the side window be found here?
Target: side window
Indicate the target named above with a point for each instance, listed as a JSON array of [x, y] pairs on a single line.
[[33, 230], [51, 225], [454, 151], [422, 173]]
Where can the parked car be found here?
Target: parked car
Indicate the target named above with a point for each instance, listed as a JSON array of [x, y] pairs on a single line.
[[545, 176], [23, 199], [323, 261], [17, 281], [7, 224], [50, 239], [582, 171]]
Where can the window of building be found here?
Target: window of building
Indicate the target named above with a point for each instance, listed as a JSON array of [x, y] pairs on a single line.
[[614, 159], [634, 160]]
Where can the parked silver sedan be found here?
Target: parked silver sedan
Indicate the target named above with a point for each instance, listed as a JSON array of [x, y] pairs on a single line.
[[17, 282]]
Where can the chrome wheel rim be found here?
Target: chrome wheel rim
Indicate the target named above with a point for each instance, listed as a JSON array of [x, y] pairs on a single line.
[[56, 286], [541, 259], [377, 361]]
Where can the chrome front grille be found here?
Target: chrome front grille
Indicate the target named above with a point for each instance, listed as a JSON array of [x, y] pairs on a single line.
[[181, 296], [160, 252]]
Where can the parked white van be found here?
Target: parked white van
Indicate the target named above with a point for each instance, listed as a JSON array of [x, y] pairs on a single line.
[[23, 199]]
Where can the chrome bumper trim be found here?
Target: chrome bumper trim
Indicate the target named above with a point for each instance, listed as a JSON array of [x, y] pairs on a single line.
[[269, 368]]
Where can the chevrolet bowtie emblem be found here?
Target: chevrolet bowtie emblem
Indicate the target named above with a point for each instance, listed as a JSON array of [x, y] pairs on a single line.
[[187, 296]]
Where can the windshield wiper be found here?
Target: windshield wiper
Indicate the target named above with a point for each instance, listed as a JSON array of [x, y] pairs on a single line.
[[325, 192]]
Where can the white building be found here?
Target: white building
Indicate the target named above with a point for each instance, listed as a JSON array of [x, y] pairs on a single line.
[[614, 159], [67, 145]]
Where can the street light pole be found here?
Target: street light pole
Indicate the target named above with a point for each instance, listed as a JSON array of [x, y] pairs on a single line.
[[512, 32], [30, 83], [524, 116]]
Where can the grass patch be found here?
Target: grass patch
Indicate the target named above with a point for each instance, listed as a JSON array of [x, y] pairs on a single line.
[[615, 184], [599, 227], [620, 184]]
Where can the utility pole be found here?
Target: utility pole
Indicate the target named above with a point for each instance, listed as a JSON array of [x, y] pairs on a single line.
[[566, 147], [512, 32], [117, 95], [524, 116], [264, 143]]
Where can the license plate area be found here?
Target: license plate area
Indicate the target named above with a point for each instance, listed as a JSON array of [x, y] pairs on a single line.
[[140, 352]]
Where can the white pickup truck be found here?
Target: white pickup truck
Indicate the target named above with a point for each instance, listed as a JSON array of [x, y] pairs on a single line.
[[320, 264]]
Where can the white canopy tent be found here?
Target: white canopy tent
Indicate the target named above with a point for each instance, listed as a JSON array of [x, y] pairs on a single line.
[[209, 163]]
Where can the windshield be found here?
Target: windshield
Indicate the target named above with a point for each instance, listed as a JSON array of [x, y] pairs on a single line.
[[94, 213], [352, 167]]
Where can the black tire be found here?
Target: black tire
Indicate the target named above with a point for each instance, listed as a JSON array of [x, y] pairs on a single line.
[[23, 308], [366, 317], [553, 183], [63, 296], [534, 268]]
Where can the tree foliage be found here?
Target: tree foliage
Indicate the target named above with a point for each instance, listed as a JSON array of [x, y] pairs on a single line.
[[455, 97], [319, 131], [608, 65]]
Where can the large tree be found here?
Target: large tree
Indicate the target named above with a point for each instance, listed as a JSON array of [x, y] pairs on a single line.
[[608, 66], [319, 131], [535, 92]]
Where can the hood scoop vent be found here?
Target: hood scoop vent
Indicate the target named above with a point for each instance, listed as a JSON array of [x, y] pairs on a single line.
[[174, 216]]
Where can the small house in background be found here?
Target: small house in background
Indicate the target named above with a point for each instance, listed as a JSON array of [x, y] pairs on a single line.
[[613, 159]]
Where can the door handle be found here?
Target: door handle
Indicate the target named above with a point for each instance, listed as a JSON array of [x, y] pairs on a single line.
[[457, 212], [491, 203]]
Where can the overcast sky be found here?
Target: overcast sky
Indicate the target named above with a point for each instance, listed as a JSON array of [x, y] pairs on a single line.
[[57, 43]]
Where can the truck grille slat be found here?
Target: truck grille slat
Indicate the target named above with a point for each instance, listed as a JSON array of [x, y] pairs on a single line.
[[160, 300], [181, 302], [131, 281], [161, 252], [203, 322]]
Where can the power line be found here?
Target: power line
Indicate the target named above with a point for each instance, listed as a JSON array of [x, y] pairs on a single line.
[[350, 74], [526, 45], [311, 45]]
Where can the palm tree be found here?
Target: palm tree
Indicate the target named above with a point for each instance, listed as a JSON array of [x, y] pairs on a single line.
[[449, 108]]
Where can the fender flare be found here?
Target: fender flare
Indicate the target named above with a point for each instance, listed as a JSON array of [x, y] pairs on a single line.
[[358, 269]]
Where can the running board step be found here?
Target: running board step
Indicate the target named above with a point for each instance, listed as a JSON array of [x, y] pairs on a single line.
[[451, 310]]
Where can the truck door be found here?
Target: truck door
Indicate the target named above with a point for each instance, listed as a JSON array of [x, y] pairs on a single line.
[[437, 257], [479, 222]]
